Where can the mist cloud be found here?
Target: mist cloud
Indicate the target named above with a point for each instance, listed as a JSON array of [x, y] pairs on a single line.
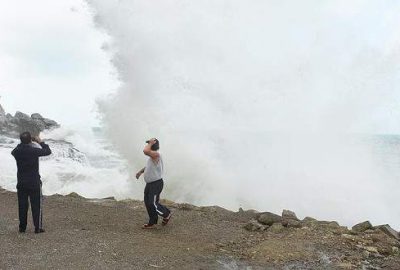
[[256, 103]]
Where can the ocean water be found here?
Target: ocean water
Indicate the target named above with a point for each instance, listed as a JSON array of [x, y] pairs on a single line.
[[326, 182], [85, 164]]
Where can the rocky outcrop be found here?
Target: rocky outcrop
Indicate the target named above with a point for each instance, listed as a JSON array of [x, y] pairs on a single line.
[[362, 227], [268, 218], [361, 247], [20, 122], [267, 221]]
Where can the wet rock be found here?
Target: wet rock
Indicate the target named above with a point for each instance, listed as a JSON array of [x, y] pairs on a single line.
[[268, 218], [362, 227], [20, 122]]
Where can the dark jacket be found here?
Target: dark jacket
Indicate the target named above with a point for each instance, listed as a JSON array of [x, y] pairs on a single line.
[[27, 158]]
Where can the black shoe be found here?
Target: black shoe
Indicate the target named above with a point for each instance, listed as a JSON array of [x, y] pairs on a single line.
[[22, 230], [39, 231], [166, 220]]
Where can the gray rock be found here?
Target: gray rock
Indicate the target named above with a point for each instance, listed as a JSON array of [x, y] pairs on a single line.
[[309, 220], [20, 122], [2, 115], [291, 223], [36, 116], [388, 231], [362, 227], [21, 116], [268, 218], [329, 224], [287, 214], [9, 117], [50, 123], [254, 225], [2, 112], [276, 228]]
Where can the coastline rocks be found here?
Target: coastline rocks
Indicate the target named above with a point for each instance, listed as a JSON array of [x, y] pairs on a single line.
[[254, 225], [276, 228], [287, 214], [20, 122], [362, 227], [2, 114], [268, 218], [388, 231], [289, 219]]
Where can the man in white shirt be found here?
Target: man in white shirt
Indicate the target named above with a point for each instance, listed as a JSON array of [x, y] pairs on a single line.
[[153, 176]]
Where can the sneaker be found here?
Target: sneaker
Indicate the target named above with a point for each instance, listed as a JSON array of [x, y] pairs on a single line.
[[148, 226], [166, 220], [22, 230], [39, 231]]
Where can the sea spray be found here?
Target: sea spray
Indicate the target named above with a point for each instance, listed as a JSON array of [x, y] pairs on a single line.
[[259, 104]]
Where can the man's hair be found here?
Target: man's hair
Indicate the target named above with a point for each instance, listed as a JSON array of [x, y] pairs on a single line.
[[155, 146], [25, 137]]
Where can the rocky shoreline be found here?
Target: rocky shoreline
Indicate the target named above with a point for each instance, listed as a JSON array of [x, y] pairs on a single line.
[[106, 234], [13, 125]]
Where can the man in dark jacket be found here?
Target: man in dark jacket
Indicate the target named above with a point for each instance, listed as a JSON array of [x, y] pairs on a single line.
[[29, 183]]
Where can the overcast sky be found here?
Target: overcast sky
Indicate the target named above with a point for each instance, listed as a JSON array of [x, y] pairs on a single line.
[[51, 60]]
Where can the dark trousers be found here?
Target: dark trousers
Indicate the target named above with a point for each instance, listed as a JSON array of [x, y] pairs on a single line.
[[35, 197], [152, 193]]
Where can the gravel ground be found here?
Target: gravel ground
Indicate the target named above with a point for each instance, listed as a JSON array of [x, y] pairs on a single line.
[[106, 234]]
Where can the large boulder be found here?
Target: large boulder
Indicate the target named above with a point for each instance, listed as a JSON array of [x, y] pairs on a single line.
[[25, 123], [388, 231], [20, 122], [268, 218], [287, 214], [290, 217], [362, 227]]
